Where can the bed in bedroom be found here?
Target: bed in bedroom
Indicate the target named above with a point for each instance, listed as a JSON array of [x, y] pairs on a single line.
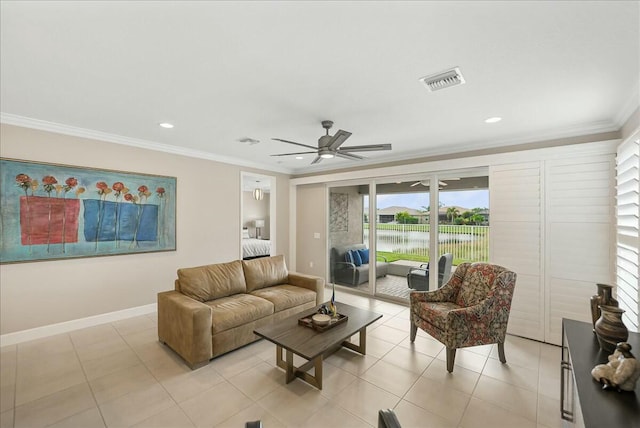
[[253, 248]]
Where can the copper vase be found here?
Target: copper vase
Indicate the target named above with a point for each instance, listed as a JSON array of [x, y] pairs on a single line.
[[610, 329], [604, 297]]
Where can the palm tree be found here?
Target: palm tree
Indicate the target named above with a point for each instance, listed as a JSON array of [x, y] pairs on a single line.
[[477, 218], [452, 213]]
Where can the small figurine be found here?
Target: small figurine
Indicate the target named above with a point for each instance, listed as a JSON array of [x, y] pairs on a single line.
[[621, 372]]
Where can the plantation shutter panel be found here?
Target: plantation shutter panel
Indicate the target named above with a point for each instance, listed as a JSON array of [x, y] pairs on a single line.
[[628, 230], [579, 210], [515, 241]]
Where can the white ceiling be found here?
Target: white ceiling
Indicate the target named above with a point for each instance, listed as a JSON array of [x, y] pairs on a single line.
[[221, 71]]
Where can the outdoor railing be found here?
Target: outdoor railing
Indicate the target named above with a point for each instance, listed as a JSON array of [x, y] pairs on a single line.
[[466, 243]]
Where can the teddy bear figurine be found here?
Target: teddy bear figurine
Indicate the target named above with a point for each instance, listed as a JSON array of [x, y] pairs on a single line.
[[621, 372]]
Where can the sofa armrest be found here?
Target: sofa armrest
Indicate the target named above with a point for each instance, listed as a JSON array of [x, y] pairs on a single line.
[[311, 282], [440, 295], [384, 259], [347, 264], [185, 325]]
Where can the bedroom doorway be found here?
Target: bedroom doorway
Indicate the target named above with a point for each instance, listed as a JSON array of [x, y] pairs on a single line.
[[257, 215]]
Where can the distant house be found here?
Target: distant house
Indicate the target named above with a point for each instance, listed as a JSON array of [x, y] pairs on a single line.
[[388, 215]]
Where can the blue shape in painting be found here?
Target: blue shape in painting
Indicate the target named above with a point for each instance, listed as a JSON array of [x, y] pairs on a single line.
[[110, 221]]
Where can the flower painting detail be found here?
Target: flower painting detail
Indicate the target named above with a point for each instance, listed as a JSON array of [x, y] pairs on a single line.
[[51, 211]]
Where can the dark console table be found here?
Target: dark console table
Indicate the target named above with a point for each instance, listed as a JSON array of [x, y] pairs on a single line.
[[583, 402]]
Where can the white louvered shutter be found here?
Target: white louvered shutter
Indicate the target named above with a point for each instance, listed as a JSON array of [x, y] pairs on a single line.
[[579, 210], [515, 241], [628, 230]]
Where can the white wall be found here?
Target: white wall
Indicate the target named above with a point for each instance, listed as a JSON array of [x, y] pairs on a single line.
[[311, 221], [208, 224]]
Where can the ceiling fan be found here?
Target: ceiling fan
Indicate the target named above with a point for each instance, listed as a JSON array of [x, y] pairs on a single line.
[[426, 182], [329, 146]]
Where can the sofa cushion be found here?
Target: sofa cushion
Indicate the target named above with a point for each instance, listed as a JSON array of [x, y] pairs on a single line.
[[476, 284], [285, 296], [348, 257], [364, 256], [265, 272], [210, 282], [239, 309], [357, 260]]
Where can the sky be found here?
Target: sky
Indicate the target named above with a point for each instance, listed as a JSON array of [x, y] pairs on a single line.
[[466, 199]]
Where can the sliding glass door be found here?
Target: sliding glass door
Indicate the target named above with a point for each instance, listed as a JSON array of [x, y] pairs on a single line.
[[463, 221], [349, 256], [383, 234], [401, 234]]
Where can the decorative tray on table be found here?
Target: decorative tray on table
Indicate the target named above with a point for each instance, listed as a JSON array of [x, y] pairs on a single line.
[[308, 322]]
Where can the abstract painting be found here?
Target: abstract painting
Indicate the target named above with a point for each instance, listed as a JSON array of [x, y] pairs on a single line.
[[51, 211]]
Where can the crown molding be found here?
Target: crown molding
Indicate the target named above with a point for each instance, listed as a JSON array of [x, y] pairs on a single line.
[[43, 125]]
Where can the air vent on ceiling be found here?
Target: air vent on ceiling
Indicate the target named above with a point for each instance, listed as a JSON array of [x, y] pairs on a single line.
[[443, 80]]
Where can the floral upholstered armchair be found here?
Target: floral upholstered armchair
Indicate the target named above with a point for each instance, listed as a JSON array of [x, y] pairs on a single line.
[[471, 309]]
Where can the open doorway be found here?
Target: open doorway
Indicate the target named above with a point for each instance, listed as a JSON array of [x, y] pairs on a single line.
[[257, 215]]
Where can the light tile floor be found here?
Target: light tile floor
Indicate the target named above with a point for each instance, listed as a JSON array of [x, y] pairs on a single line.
[[119, 375]]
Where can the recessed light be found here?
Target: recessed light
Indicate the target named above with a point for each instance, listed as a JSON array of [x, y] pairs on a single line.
[[299, 157], [493, 119], [166, 125]]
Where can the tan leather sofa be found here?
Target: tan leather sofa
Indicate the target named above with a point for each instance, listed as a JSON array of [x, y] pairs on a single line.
[[215, 308]]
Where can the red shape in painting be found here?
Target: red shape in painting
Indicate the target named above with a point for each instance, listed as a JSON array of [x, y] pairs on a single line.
[[43, 219]]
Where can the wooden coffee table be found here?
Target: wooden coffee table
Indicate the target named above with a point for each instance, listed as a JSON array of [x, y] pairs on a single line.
[[313, 345]]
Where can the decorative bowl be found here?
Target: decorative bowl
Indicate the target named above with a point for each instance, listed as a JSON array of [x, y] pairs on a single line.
[[321, 319]]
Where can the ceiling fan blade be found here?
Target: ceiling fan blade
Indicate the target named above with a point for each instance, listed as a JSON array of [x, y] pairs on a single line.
[[293, 142], [316, 160], [347, 155], [415, 184], [368, 148], [442, 183], [291, 154], [337, 140]]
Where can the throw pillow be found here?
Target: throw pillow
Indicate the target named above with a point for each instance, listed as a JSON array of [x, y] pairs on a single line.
[[348, 257], [357, 260], [364, 255], [245, 234]]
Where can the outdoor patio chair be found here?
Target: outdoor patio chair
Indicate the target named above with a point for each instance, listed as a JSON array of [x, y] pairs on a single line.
[[471, 309], [418, 278]]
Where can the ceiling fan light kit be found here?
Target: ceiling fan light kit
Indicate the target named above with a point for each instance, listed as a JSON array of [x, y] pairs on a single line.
[[329, 146]]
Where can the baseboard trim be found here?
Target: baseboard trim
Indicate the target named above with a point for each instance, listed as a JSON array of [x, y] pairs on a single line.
[[67, 326]]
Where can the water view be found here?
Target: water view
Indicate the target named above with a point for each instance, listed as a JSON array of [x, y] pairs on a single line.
[[467, 243]]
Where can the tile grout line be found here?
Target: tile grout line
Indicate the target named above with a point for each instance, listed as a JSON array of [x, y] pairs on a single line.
[[153, 376], [84, 372]]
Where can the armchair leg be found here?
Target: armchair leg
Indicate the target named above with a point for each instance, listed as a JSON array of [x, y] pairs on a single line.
[[451, 357], [414, 330], [501, 352]]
